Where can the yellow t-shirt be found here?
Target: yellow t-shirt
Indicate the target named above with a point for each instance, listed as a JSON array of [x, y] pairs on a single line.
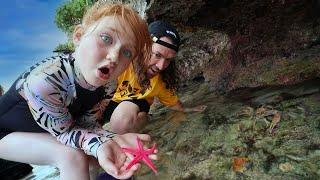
[[129, 88]]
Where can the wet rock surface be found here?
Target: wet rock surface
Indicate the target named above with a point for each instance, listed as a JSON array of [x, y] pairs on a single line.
[[240, 136]]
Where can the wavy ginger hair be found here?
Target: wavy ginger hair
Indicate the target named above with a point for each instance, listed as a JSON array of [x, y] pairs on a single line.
[[135, 23]]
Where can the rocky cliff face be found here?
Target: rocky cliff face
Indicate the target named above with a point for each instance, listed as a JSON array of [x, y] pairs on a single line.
[[234, 44]]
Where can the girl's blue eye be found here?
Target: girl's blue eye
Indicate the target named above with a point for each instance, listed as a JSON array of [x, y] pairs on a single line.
[[127, 53], [106, 38]]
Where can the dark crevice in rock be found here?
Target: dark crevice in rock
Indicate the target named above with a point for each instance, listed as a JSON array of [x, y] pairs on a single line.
[[313, 147], [211, 14], [275, 94], [269, 161], [199, 78]]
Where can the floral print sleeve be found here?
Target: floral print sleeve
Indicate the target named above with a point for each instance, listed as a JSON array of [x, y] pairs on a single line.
[[49, 89]]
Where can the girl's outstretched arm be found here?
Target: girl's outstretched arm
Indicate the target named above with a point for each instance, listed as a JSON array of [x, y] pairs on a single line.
[[49, 89]]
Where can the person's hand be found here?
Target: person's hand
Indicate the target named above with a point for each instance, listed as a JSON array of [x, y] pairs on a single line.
[[129, 140], [199, 108], [114, 161]]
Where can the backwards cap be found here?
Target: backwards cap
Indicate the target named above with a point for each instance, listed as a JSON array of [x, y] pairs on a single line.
[[159, 29]]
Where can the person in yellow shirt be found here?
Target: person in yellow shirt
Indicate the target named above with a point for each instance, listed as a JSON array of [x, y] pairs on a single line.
[[128, 110]]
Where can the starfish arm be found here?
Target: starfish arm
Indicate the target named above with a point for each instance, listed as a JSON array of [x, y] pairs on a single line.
[[133, 162], [150, 151], [141, 154], [130, 150], [148, 162]]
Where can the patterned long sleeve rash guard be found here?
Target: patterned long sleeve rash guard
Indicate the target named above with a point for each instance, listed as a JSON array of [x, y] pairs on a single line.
[[62, 103]]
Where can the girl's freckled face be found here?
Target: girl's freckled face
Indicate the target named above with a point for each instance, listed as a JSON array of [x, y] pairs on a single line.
[[105, 50]]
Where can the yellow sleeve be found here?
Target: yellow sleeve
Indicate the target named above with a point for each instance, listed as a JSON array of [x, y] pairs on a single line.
[[167, 97]]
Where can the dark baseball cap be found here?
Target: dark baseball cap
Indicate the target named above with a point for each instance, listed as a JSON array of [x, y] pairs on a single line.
[[159, 29]]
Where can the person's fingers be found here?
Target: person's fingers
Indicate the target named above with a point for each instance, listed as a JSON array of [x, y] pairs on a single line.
[[136, 167], [128, 159], [125, 165], [110, 168], [121, 158], [144, 137], [123, 168], [129, 156], [125, 174], [200, 108], [148, 146], [153, 157], [155, 151]]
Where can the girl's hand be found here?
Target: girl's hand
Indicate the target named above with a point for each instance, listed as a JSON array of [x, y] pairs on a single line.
[[129, 140], [113, 160]]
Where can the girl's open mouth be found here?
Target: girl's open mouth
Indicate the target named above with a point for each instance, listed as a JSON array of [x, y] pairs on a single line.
[[104, 70], [103, 73]]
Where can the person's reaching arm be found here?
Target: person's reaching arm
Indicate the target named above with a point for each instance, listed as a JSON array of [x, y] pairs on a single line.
[[179, 107]]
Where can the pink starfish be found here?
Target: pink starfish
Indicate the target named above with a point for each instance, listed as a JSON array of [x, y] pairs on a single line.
[[141, 154]]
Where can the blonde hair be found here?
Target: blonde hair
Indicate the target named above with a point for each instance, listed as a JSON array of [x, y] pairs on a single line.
[[135, 23]]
